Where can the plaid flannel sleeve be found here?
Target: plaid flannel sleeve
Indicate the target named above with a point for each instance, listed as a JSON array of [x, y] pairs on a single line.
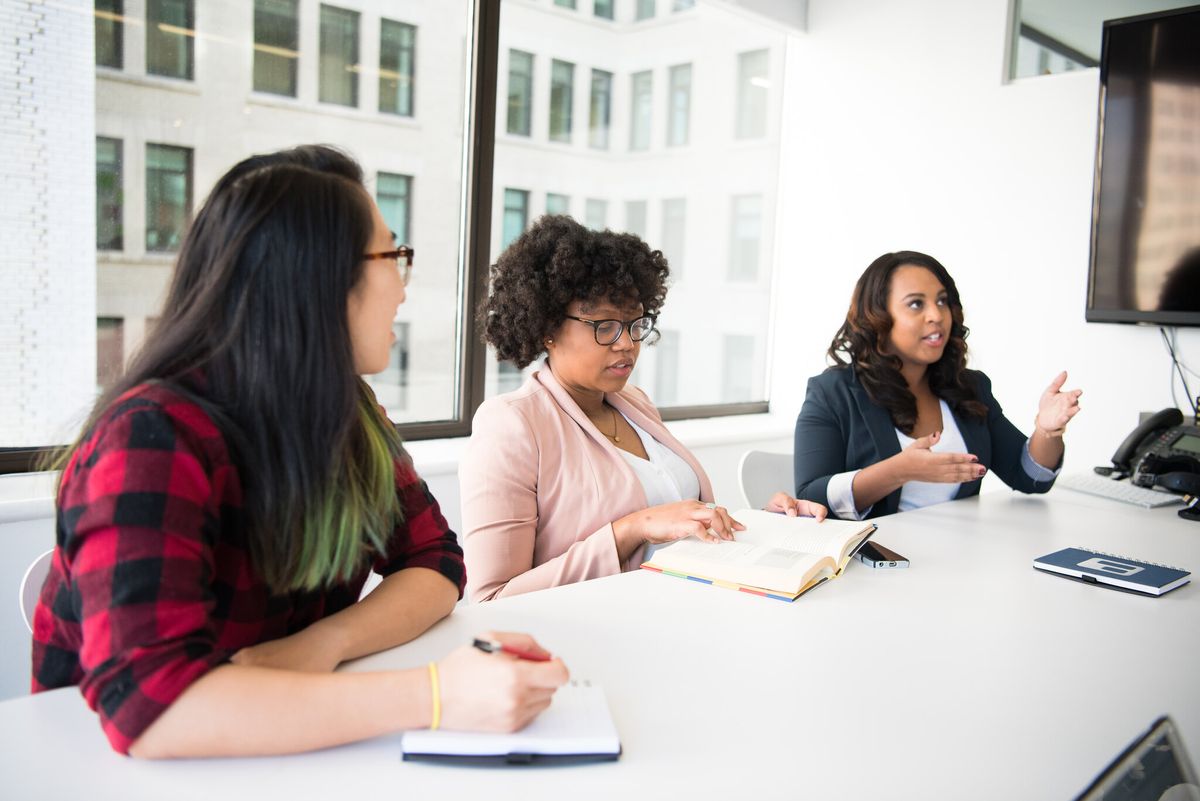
[[137, 521], [423, 538]]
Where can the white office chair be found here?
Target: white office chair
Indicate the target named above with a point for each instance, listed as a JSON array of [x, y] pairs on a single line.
[[761, 474], [31, 586]]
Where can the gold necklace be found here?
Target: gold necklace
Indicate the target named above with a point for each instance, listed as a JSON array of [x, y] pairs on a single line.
[[613, 436]]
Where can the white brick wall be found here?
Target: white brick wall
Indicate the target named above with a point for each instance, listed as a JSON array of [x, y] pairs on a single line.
[[47, 220]]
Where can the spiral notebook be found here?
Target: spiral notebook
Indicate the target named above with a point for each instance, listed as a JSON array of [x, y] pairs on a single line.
[[577, 727], [1110, 570]]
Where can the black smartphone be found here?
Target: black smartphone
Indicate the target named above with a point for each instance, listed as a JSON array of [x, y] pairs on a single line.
[[872, 554]]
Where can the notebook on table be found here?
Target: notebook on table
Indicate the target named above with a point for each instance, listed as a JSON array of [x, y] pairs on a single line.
[[576, 728], [1110, 570]]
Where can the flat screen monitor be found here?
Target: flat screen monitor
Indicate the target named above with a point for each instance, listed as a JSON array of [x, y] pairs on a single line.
[[1145, 248]]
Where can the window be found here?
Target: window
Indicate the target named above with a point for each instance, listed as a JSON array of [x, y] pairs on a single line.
[[168, 196], [516, 216], [562, 96], [601, 109], [520, 92], [170, 34], [666, 372], [338, 69], [738, 369], [110, 33], [276, 46], [744, 238], [674, 224], [509, 377], [397, 67], [391, 386], [645, 9], [640, 111], [752, 95], [557, 204], [635, 217], [109, 194], [603, 9], [682, 5], [596, 214], [110, 350], [393, 193], [565, 3], [680, 105]]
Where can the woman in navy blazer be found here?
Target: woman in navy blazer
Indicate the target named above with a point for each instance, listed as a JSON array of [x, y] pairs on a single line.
[[899, 422]]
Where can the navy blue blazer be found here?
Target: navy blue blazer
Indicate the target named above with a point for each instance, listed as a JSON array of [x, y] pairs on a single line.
[[841, 429]]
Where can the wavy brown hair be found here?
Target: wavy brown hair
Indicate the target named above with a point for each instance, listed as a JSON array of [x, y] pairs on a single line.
[[862, 342]]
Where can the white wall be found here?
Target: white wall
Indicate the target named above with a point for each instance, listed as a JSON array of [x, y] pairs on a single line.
[[900, 134]]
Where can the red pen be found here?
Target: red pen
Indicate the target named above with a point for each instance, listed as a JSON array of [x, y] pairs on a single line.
[[494, 647]]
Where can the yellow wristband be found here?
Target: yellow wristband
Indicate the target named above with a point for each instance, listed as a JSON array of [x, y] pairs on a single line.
[[437, 696]]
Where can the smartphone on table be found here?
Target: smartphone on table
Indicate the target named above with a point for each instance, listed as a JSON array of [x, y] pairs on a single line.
[[872, 554]]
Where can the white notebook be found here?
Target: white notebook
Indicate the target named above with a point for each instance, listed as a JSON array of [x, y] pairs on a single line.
[[577, 727]]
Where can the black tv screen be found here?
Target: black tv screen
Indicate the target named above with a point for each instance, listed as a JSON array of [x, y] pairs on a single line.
[[1145, 249]]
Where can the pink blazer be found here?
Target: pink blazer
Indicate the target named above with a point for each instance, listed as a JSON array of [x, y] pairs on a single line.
[[541, 487]]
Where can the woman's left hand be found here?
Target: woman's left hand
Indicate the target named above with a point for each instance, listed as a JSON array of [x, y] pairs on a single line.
[[310, 650], [1056, 408], [782, 502]]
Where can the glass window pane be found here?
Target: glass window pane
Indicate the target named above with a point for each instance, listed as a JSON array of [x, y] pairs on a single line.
[[516, 216], [276, 46], [170, 37], [674, 233], [339, 67], [596, 214], [603, 8], [393, 194], [753, 86], [645, 9], [565, 3], [600, 109], [562, 98], [682, 5], [745, 238], [397, 67], [635, 217], [640, 112], [391, 386], [109, 194], [168, 196], [110, 33], [666, 369], [738, 366], [557, 204], [520, 92], [680, 104]]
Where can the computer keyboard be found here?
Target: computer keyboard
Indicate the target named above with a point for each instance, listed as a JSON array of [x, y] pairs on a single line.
[[1093, 484]]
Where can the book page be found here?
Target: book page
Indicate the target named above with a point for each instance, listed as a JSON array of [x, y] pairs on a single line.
[[753, 564], [804, 534]]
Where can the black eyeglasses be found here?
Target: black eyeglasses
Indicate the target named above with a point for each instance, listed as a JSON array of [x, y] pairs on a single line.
[[403, 256], [609, 331]]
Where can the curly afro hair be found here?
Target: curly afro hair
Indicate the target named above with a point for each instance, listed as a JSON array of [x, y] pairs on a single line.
[[558, 261]]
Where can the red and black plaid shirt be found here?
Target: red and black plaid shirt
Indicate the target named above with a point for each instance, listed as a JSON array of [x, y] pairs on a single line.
[[151, 584]]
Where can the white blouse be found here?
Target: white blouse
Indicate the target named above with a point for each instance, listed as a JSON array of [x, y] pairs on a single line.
[[664, 475]]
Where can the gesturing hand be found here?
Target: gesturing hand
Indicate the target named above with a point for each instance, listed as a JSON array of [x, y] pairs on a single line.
[[922, 464], [1056, 408], [792, 507]]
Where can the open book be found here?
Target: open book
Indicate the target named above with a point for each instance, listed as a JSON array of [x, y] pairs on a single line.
[[776, 556], [576, 728]]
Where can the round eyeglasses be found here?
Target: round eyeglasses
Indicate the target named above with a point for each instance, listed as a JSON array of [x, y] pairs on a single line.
[[609, 331], [403, 256]]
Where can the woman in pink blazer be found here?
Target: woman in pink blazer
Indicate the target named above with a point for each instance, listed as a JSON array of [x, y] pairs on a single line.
[[574, 476]]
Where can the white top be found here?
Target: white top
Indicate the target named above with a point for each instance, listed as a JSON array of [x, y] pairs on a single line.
[[664, 475]]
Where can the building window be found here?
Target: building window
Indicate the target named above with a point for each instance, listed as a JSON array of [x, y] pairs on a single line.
[[596, 214], [109, 194], [516, 216], [557, 204], [674, 231], [645, 9], [565, 3], [635, 217], [641, 84], [601, 109], [603, 9], [666, 369], [520, 92], [110, 350], [682, 5], [110, 33], [170, 38], [745, 236], [276, 46], [680, 105], [562, 97], [168, 196], [397, 67], [752, 94], [393, 193], [338, 71], [738, 375]]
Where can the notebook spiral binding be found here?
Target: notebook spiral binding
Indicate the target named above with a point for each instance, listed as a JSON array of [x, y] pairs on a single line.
[[1128, 558]]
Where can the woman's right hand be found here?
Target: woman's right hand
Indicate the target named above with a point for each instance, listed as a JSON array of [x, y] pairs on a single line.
[[918, 463], [496, 692], [673, 521]]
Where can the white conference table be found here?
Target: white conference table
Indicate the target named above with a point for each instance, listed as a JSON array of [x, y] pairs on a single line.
[[968, 675]]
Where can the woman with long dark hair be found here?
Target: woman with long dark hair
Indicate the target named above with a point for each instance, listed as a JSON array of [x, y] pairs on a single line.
[[220, 514], [900, 422]]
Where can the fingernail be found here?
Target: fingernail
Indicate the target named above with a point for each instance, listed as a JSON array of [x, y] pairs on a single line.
[[980, 472]]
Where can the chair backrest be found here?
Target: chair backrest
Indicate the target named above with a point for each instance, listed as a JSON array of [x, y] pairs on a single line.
[[761, 474], [31, 586]]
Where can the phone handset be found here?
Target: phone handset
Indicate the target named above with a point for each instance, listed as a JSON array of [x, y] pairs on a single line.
[[1139, 439]]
